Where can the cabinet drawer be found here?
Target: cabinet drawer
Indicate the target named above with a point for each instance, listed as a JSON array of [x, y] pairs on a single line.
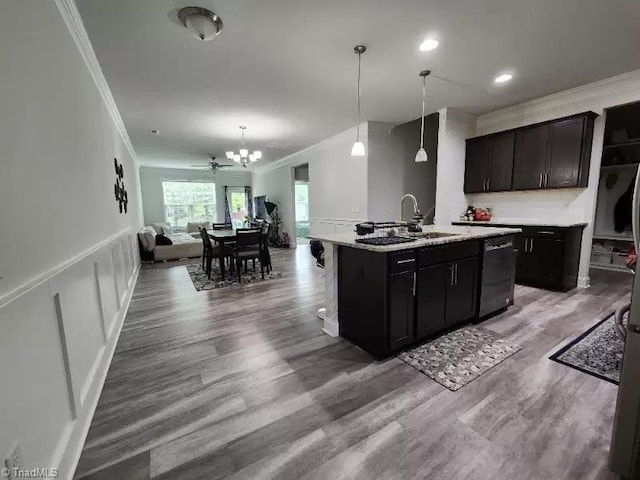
[[448, 253], [402, 261], [546, 232]]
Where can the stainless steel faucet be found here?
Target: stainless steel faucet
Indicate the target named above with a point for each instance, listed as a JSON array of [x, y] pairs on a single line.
[[417, 215]]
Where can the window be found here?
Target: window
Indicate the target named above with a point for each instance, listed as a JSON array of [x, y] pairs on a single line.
[[186, 202]]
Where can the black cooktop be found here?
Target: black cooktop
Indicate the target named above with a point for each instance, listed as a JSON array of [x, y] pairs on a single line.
[[384, 240]]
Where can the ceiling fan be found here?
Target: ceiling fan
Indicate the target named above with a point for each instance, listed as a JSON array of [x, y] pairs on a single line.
[[212, 165]]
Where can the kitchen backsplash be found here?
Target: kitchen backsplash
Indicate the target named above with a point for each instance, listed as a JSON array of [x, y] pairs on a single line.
[[566, 205]]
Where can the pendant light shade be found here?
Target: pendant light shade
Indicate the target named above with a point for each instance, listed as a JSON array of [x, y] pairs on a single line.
[[421, 156], [358, 147]]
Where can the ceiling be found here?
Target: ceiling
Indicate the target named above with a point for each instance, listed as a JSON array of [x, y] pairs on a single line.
[[286, 68]]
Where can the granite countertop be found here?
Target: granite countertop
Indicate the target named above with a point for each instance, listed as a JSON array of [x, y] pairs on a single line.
[[462, 233], [519, 222]]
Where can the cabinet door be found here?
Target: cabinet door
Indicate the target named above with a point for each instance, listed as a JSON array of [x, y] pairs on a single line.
[[476, 165], [523, 265], [501, 169], [431, 295], [547, 261], [401, 309], [530, 161], [565, 148], [462, 291]]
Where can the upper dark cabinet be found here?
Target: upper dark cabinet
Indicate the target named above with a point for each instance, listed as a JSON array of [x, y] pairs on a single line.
[[554, 154], [489, 163], [530, 163]]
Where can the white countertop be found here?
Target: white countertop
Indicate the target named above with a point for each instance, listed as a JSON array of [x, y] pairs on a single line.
[[462, 233], [519, 222]]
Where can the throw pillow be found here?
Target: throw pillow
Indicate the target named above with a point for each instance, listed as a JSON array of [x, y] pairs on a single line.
[[163, 240], [150, 235]]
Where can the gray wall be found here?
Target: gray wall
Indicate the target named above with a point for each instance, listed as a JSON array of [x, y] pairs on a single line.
[[393, 171], [419, 178], [151, 179]]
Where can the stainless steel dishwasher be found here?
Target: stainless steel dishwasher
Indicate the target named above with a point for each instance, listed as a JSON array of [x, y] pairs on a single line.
[[498, 275]]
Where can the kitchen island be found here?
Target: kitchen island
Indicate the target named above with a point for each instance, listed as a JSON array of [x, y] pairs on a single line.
[[387, 297]]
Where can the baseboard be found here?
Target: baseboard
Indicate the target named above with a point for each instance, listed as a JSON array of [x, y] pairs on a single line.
[[71, 446], [584, 282]]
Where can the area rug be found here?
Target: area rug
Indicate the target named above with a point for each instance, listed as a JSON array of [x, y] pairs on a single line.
[[201, 282], [459, 357], [598, 351]]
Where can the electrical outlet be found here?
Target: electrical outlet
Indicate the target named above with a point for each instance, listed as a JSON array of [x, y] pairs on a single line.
[[13, 461]]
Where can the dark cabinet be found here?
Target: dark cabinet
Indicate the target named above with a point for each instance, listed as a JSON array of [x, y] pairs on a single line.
[[401, 309], [530, 162], [564, 167], [431, 296], [389, 301], [461, 292], [554, 154], [548, 257], [489, 163], [477, 165]]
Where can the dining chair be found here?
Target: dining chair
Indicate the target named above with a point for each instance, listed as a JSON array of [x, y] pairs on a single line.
[[210, 251], [265, 256], [247, 248]]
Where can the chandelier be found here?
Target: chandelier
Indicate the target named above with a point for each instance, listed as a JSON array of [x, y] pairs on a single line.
[[243, 157]]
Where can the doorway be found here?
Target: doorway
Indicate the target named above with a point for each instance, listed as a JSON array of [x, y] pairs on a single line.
[[301, 197]]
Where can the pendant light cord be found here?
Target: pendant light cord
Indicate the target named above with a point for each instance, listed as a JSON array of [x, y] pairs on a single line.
[[424, 81], [358, 126]]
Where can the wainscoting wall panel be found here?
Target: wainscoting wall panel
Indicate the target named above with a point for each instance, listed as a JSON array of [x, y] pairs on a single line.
[[57, 337], [319, 226]]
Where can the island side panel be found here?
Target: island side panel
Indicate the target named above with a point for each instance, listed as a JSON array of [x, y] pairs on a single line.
[[363, 299], [331, 323]]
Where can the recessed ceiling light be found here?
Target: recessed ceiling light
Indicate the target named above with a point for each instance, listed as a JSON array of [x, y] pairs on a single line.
[[502, 78], [428, 44]]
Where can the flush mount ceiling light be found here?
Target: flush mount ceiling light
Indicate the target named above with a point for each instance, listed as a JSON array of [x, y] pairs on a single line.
[[503, 78], [428, 44], [358, 147], [421, 156], [204, 24], [243, 157]]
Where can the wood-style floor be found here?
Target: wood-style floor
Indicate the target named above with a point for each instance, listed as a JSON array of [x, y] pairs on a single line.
[[241, 383]]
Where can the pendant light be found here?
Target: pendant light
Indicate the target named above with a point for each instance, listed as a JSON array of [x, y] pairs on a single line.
[[421, 156], [358, 147]]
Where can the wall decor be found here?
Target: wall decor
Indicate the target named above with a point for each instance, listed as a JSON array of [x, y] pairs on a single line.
[[118, 188]]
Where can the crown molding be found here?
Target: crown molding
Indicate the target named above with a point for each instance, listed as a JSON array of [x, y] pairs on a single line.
[[596, 92], [71, 15]]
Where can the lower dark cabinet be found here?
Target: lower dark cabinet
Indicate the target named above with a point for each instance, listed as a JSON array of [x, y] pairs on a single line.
[[431, 296], [461, 293], [401, 309], [549, 257], [387, 302]]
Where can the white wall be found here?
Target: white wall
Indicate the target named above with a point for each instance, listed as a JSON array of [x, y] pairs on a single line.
[[68, 258], [337, 184], [151, 179], [566, 205], [454, 128]]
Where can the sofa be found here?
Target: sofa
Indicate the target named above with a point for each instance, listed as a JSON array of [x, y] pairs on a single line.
[[153, 248]]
